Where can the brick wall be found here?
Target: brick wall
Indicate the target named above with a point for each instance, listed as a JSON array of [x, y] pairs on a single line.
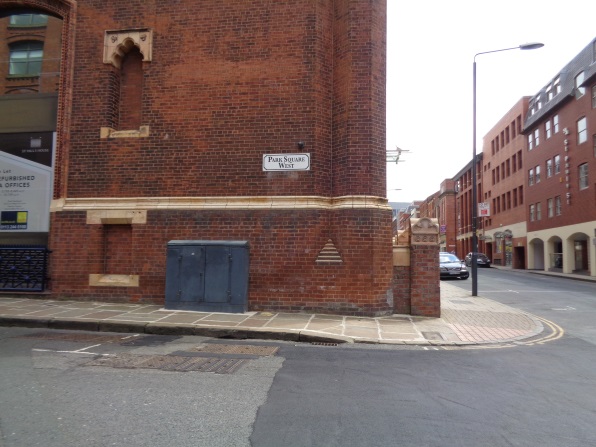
[[284, 246], [227, 83]]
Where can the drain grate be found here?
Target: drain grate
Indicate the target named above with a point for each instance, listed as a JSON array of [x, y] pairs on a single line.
[[217, 348], [322, 343], [170, 363]]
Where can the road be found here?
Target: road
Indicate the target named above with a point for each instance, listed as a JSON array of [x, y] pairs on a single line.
[[569, 303], [57, 392]]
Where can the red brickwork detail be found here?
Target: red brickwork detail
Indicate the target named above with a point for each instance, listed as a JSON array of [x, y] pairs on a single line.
[[401, 290], [131, 91], [426, 289], [284, 246]]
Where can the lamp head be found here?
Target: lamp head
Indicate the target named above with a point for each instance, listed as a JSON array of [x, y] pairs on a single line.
[[531, 46]]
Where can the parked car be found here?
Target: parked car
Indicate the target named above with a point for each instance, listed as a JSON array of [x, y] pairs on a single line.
[[481, 260], [452, 267]]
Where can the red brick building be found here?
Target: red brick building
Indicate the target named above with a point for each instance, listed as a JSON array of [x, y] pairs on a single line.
[[561, 169], [441, 206], [165, 116], [463, 207], [503, 181]]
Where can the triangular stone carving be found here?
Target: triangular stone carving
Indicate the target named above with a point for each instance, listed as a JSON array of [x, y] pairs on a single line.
[[329, 255]]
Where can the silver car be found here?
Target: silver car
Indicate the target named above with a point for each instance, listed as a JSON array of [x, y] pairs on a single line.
[[452, 267]]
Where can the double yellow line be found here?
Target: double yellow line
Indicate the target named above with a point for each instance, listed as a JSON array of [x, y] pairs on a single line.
[[556, 332]]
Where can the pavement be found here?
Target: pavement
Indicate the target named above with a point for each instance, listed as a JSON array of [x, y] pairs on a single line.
[[465, 320]]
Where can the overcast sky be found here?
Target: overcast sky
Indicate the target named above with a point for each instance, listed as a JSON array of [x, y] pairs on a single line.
[[430, 51]]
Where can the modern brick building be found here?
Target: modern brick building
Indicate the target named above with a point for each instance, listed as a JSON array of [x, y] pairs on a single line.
[[463, 207], [503, 179], [560, 166], [173, 121]]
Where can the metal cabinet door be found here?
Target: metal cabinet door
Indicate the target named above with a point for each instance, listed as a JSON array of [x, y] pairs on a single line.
[[185, 275]]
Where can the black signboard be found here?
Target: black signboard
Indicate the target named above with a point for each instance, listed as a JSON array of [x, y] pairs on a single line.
[[33, 146]]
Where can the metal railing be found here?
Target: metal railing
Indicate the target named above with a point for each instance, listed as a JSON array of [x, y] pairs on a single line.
[[23, 268]]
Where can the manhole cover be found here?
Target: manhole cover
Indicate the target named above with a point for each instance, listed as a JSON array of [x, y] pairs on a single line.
[[170, 363], [238, 349]]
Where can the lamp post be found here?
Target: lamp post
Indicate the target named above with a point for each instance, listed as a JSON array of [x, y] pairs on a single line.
[[525, 46]]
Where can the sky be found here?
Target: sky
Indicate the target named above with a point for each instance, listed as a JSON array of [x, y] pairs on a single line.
[[430, 53]]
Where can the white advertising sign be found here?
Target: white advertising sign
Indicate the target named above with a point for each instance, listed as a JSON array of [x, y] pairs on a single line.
[[25, 194], [286, 162]]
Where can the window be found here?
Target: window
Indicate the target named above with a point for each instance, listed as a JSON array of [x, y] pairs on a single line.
[[594, 96], [519, 160], [594, 143], [550, 210], [514, 197], [583, 176], [530, 142], [579, 91], [532, 217], [557, 164], [557, 85], [539, 211], [521, 195], [549, 168], [531, 177], [556, 123], [25, 58], [28, 20], [582, 131], [547, 129], [549, 92], [536, 137], [558, 205], [537, 177]]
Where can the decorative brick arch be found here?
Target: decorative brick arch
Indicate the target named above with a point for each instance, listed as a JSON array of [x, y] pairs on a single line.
[[118, 43], [65, 10]]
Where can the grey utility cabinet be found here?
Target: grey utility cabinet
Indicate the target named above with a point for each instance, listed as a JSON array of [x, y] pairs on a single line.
[[207, 276]]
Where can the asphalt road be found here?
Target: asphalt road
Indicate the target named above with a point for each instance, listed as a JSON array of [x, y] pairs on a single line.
[[53, 394], [569, 303]]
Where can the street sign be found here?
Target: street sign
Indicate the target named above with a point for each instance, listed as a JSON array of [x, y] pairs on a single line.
[[484, 209], [286, 162]]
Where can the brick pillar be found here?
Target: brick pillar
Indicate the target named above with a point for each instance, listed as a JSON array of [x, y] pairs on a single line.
[[401, 283], [424, 268]]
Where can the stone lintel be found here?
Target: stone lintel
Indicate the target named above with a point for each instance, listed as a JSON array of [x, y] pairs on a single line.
[[110, 280]]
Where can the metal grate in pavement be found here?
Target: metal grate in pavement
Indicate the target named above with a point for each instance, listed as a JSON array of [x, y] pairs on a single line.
[[217, 348], [170, 363]]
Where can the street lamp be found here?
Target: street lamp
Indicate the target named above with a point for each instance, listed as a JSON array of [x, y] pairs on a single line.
[[525, 46]]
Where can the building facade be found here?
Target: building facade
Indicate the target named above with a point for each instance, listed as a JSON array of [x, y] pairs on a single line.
[[261, 123], [560, 128], [463, 207], [503, 213], [441, 206]]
